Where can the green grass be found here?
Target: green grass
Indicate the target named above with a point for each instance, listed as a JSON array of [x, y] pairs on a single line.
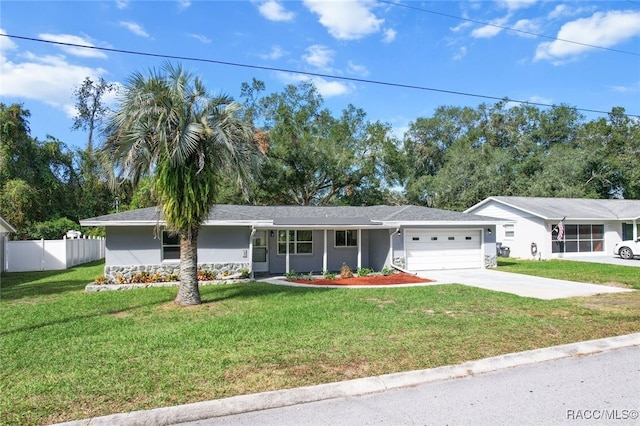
[[596, 273], [67, 354]]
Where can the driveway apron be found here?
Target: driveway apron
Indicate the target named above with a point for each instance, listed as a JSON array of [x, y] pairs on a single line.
[[521, 285]]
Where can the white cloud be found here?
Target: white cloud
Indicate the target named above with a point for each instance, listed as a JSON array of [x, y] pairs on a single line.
[[134, 28], [526, 25], [201, 38], [6, 43], [559, 11], [563, 10], [633, 88], [122, 4], [461, 26], [601, 29], [346, 20], [76, 51], [325, 87], [389, 35], [330, 89], [276, 53], [489, 31], [274, 11], [50, 79], [184, 4], [357, 69], [461, 53], [516, 4], [319, 56]]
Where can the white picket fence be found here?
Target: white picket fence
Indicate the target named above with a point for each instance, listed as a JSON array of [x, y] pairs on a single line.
[[51, 255]]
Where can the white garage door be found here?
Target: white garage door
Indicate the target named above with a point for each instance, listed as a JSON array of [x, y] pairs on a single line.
[[429, 249]]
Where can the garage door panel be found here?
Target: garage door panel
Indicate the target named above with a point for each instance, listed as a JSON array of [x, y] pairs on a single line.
[[427, 249]]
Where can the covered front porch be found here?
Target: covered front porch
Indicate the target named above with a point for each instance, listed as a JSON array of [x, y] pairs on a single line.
[[285, 247]]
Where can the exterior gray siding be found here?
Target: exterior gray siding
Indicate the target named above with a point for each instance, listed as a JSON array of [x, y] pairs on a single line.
[[378, 248], [223, 244], [132, 245]]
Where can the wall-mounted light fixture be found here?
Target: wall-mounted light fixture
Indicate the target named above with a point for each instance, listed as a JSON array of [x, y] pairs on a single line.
[[489, 231], [272, 233]]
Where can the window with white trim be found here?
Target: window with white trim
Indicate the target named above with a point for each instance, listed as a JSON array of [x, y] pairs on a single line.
[[509, 231], [300, 241], [170, 246], [346, 238]]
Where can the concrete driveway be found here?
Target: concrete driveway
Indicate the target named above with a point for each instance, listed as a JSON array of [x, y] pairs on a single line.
[[521, 285]]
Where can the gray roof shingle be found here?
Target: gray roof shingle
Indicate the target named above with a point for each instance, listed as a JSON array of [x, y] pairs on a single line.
[[574, 208], [302, 215]]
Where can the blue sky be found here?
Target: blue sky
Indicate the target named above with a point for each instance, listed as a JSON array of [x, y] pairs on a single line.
[[442, 45]]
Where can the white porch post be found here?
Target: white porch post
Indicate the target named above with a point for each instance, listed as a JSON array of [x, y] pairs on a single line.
[[287, 252], [391, 232], [324, 253], [359, 248], [253, 232], [635, 229]]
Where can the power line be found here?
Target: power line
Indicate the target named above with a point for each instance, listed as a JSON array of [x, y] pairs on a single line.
[[307, 73], [508, 28]]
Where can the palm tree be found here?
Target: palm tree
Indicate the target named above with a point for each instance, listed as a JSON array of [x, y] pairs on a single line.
[[168, 127]]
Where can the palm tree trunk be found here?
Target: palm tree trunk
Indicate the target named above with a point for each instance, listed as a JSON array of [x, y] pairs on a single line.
[[188, 292]]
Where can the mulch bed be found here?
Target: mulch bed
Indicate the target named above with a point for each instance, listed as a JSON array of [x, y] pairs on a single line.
[[400, 278]]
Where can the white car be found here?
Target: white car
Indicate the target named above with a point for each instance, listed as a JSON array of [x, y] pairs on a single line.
[[627, 249]]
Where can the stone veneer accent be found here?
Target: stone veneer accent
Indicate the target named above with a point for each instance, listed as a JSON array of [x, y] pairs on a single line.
[[491, 261], [128, 271]]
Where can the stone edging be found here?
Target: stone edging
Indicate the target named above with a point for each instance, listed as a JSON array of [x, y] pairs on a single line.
[[92, 287]]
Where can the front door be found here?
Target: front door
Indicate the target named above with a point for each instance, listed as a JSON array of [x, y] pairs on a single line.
[[260, 251]]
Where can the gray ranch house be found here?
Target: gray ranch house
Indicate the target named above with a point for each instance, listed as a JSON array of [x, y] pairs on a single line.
[[5, 229], [591, 226], [278, 239]]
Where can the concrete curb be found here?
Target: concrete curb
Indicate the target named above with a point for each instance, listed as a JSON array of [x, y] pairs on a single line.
[[282, 398]]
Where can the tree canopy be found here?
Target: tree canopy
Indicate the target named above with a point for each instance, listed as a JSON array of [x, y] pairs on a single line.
[[452, 159]]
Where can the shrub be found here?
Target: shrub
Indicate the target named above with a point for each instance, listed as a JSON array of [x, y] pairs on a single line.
[[120, 279], [206, 275], [345, 271], [245, 273], [329, 275], [100, 280], [143, 277], [52, 229], [291, 275], [363, 272], [386, 270], [309, 276]]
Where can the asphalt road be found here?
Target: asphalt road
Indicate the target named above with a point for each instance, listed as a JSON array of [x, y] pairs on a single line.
[[599, 389]]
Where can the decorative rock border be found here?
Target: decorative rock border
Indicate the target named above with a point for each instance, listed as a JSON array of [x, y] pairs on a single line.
[[225, 269], [93, 287]]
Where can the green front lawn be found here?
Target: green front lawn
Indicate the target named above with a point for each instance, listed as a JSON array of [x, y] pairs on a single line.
[[586, 272], [67, 354]]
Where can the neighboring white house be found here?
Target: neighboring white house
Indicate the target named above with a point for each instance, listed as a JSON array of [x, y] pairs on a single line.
[[5, 228], [591, 226], [278, 239]]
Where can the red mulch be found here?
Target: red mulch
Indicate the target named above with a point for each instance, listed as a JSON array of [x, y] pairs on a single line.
[[400, 278]]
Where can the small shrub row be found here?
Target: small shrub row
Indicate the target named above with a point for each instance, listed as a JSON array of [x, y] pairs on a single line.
[[345, 272]]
